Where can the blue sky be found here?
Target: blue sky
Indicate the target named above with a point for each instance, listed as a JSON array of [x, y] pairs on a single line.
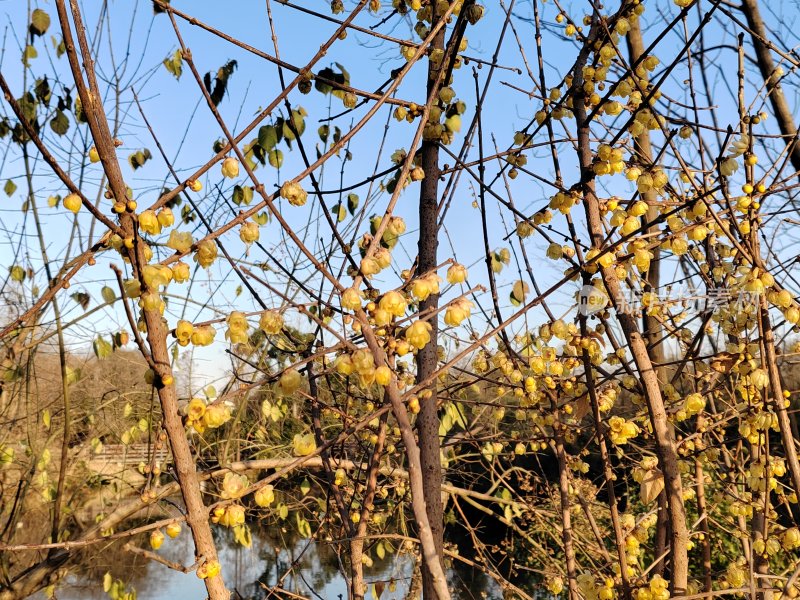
[[140, 41]]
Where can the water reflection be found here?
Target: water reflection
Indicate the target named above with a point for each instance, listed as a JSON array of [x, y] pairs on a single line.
[[277, 557]]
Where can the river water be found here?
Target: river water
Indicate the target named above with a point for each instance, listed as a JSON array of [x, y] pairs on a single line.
[[251, 572]]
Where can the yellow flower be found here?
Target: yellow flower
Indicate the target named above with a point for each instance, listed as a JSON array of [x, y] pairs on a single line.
[[620, 430], [370, 266], [344, 364], [203, 335], [728, 166], [363, 362], [148, 222], [294, 193], [290, 381], [233, 516], [304, 445], [152, 301], [419, 334], [94, 155], [381, 317], [173, 530], [230, 167], [457, 273], [249, 232], [206, 253], [180, 241], [426, 285], [265, 495], [237, 328], [457, 312], [216, 415], [393, 302], [791, 538], [194, 185], [233, 486], [383, 375], [209, 569], [271, 322], [396, 226], [156, 276], [694, 403], [383, 257], [180, 272], [340, 477], [351, 299], [555, 585], [165, 217], [195, 409], [183, 332]]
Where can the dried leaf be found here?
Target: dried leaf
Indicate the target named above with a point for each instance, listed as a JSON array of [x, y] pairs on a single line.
[[652, 485]]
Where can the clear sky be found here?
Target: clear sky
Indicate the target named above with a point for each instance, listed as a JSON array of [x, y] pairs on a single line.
[[136, 42]]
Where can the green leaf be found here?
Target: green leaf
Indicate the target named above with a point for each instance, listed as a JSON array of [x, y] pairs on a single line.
[[17, 273], [333, 81], [138, 159], [40, 21], [352, 203], [102, 349], [59, 123], [81, 298], [323, 132], [518, 292], [303, 527], [242, 536], [339, 212], [276, 158], [43, 91], [80, 116], [305, 486], [288, 134], [73, 375], [267, 137], [28, 55], [174, 64], [108, 294], [10, 187], [283, 511], [58, 46], [242, 195], [261, 218], [216, 86], [296, 126]]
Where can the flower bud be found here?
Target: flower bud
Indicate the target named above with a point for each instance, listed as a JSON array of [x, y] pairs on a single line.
[[230, 167], [249, 232], [72, 202]]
